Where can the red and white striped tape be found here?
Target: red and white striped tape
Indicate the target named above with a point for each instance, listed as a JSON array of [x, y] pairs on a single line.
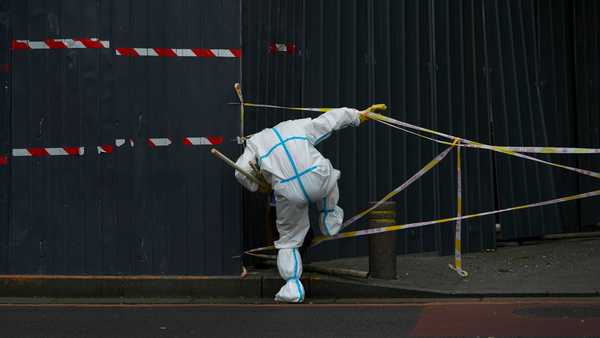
[[42, 152], [108, 148], [159, 142], [180, 52], [105, 149], [288, 48], [84, 43], [121, 141], [203, 141]]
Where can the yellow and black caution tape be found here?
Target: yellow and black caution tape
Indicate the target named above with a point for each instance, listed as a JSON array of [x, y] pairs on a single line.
[[393, 193], [404, 185], [458, 227], [358, 233], [456, 142], [316, 110]]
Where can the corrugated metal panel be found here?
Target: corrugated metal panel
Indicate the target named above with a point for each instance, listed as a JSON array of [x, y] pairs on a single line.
[[555, 88], [4, 131], [168, 210], [498, 72], [531, 104], [459, 97], [586, 35], [354, 53], [268, 78]]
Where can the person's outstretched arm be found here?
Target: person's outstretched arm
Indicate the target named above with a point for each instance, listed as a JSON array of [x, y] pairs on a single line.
[[321, 127]]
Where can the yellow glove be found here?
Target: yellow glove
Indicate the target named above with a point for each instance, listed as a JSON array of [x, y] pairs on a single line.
[[364, 115], [264, 187]]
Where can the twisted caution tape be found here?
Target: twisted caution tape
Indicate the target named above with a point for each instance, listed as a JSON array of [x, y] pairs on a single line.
[[404, 185], [435, 161], [501, 149], [349, 234], [457, 142], [469, 143], [357, 233], [509, 150], [458, 228]]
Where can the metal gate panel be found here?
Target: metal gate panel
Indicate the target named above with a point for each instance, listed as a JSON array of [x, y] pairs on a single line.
[[354, 53], [137, 210], [586, 37]]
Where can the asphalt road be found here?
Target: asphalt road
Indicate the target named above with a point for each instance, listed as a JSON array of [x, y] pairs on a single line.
[[445, 318]]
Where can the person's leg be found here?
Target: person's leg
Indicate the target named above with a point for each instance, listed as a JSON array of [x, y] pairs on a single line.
[[292, 225], [331, 216], [289, 264]]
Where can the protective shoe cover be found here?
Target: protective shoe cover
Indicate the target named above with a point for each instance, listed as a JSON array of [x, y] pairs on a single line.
[[289, 265]]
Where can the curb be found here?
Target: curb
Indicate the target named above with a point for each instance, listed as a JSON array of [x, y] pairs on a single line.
[[219, 287], [128, 286], [252, 286]]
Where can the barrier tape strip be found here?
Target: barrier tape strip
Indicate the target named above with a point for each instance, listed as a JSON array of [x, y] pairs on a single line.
[[321, 239], [180, 52], [287, 48], [107, 148], [350, 234], [508, 151], [85, 43], [469, 143], [458, 227], [42, 152], [421, 135], [203, 141], [505, 150], [537, 150], [545, 150], [435, 161], [464, 142], [404, 185], [158, 142], [95, 43], [318, 110], [121, 141], [238, 91]]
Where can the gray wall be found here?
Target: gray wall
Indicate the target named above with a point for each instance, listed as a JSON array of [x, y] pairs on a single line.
[[172, 210], [499, 72]]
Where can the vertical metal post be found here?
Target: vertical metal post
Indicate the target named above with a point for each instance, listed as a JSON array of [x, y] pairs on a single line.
[[382, 247]]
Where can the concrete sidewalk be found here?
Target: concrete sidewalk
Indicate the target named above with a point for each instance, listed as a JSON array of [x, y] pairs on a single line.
[[545, 268]]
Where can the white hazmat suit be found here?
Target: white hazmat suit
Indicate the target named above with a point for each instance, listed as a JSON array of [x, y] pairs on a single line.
[[299, 174]]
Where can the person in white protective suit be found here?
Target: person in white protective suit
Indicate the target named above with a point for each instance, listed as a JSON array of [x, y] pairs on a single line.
[[298, 174]]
